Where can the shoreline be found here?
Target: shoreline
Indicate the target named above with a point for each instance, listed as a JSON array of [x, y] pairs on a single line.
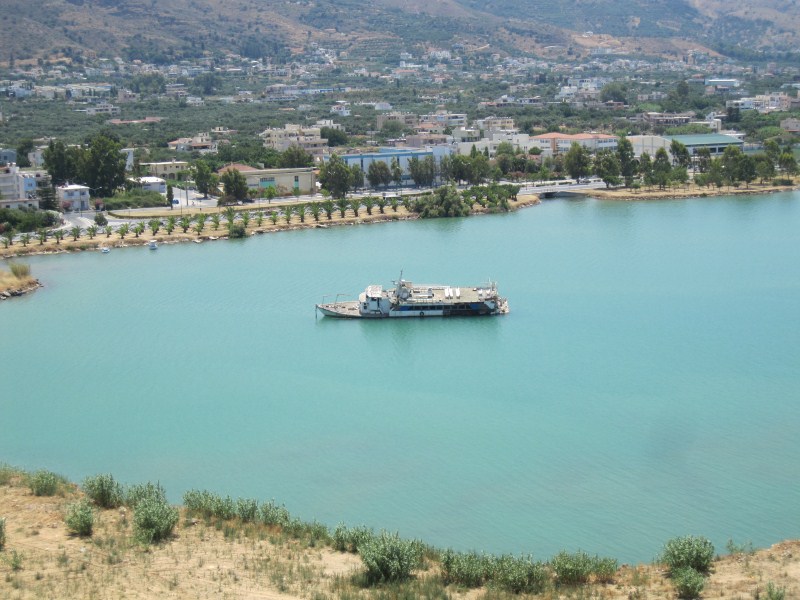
[[209, 556], [15, 292], [69, 245], [525, 200]]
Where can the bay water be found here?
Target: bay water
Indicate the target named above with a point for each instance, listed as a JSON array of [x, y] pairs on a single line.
[[646, 383]]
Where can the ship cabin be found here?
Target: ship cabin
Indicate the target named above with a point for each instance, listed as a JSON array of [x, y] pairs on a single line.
[[373, 301]]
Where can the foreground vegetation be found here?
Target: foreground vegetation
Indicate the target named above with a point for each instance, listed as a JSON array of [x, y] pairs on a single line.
[[104, 538]]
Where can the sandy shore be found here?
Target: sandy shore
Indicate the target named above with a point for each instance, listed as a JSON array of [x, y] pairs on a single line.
[[689, 191], [234, 560]]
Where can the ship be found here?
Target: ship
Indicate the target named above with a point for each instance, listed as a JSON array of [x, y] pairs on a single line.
[[406, 299]]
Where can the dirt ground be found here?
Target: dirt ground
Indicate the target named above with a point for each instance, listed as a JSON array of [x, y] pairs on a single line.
[[229, 560]]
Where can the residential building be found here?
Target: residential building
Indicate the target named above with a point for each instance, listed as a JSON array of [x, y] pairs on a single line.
[[553, 144], [73, 195], [791, 125], [667, 119], [308, 138], [407, 119], [172, 169], [201, 143], [284, 181], [8, 156]]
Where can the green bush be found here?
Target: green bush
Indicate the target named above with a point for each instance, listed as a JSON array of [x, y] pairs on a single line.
[[7, 472], [688, 583], [520, 575], [773, 593], [688, 551], [272, 514], [2, 532], [103, 490], [604, 569], [247, 510], [19, 270], [141, 491], [349, 539], [236, 230], [80, 518], [571, 569], [469, 569], [44, 483], [387, 557], [134, 199], [153, 520]]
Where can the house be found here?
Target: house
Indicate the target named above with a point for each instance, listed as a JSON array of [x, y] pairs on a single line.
[[201, 143], [74, 196], [152, 184], [791, 125], [8, 156], [284, 181], [172, 169], [308, 138]]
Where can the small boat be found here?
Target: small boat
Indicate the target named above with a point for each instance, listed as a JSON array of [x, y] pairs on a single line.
[[406, 299], [152, 245], [104, 250]]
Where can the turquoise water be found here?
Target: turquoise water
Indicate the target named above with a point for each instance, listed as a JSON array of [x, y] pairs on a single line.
[[645, 384]]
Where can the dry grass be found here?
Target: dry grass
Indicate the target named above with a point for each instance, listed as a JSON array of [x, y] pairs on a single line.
[[8, 281], [688, 191], [231, 560]]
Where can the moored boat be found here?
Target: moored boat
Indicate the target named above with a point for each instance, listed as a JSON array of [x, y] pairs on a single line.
[[406, 299]]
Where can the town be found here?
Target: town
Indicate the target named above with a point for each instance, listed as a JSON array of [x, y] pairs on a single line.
[[88, 133]]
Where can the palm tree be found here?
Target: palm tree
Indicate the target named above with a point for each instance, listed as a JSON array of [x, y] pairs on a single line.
[[328, 206], [91, 231], [393, 203], [201, 223], [138, 229], [342, 205], [315, 209], [8, 238], [170, 226], [59, 235], [41, 235], [230, 215], [185, 223], [287, 213], [155, 225], [300, 209], [108, 230], [355, 204], [369, 202], [215, 221], [75, 232], [123, 230], [246, 218], [381, 202], [273, 216], [259, 218], [25, 239]]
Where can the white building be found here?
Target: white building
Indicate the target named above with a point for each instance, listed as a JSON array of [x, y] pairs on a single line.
[[152, 184], [77, 196]]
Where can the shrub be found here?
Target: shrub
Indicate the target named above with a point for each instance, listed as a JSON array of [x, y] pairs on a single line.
[[247, 509], [236, 230], [2, 533], [688, 582], [103, 490], [7, 472], [773, 593], [520, 575], [19, 270], [141, 491], [80, 518], [688, 551], [604, 569], [272, 514], [44, 483], [387, 557], [571, 569], [350, 539], [153, 520], [100, 219], [469, 569]]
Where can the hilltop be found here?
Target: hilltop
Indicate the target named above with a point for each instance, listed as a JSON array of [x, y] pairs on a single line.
[[173, 29]]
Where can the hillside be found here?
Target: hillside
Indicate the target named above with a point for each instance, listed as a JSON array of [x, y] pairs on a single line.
[[172, 29]]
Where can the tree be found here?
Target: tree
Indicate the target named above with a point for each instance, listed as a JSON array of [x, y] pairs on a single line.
[[773, 151], [123, 230], [335, 137], [103, 168], [646, 168], [662, 168], [294, 157], [59, 163], [203, 177], [703, 159], [356, 177], [397, 171], [680, 154], [170, 195], [23, 148], [47, 198], [607, 167], [627, 160], [577, 161], [234, 184], [155, 225], [788, 163], [91, 231], [765, 167], [378, 173], [747, 169], [614, 92], [75, 232], [139, 229], [59, 235], [335, 176]]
